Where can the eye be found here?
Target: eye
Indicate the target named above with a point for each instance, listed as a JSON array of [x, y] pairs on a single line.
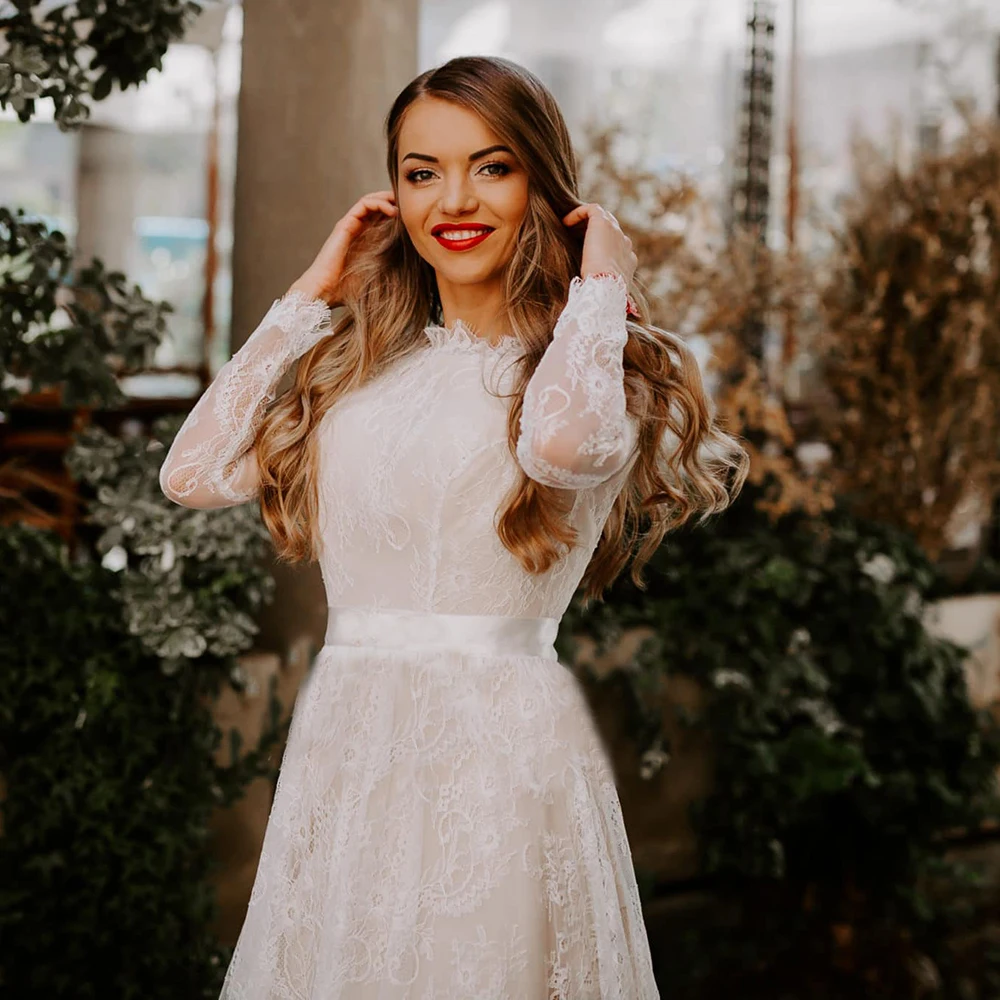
[[501, 169], [414, 175]]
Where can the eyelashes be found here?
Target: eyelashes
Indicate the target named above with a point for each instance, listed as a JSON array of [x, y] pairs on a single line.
[[414, 176]]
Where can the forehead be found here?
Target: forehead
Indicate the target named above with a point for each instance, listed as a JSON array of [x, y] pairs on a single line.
[[443, 129]]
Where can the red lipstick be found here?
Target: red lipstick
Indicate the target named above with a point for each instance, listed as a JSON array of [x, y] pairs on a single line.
[[440, 233]]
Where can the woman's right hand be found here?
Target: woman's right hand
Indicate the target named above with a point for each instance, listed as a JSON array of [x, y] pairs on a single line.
[[321, 280]]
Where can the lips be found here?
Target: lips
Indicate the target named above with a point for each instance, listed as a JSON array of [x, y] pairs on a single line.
[[453, 237]]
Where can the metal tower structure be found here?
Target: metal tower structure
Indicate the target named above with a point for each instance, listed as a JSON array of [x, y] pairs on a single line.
[[751, 189], [751, 184]]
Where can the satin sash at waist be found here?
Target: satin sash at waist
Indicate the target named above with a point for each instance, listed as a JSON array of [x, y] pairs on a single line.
[[494, 635]]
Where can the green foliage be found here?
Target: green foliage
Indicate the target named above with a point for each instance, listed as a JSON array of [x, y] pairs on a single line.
[[107, 744], [76, 52], [76, 332], [195, 578], [843, 739]]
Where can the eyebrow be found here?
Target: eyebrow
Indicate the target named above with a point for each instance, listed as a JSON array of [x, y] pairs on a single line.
[[472, 156]]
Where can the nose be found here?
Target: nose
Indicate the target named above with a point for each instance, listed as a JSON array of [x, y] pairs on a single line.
[[457, 196]]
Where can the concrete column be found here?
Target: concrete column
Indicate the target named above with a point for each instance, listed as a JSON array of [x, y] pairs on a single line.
[[317, 81], [108, 182], [318, 77]]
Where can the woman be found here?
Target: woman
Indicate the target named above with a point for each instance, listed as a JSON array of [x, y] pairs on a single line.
[[480, 419]]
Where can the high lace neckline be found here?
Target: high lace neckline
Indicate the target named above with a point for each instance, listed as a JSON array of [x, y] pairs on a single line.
[[459, 335]]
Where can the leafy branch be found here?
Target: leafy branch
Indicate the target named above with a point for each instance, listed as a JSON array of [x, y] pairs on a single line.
[[75, 52]]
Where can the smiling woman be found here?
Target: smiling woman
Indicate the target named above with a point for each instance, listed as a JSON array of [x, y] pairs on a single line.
[[460, 201], [482, 429]]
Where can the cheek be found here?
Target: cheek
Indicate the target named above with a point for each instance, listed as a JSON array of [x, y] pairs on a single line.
[[517, 204], [410, 218], [413, 206]]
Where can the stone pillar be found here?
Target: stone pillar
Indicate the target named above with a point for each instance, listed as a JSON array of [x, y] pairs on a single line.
[[108, 182], [318, 77], [317, 81]]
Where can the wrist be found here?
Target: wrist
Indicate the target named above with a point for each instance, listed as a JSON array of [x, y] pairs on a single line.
[[313, 287]]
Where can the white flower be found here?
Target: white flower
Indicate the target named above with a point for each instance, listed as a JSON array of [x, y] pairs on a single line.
[[115, 559], [913, 604], [813, 455], [798, 640], [822, 714], [60, 320], [168, 557], [880, 568], [652, 760], [725, 678], [34, 331], [15, 382], [17, 268]]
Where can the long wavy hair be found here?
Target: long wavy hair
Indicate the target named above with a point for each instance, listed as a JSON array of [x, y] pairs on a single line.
[[687, 466]]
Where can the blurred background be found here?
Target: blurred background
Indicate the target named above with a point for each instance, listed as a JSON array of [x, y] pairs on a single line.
[[801, 704]]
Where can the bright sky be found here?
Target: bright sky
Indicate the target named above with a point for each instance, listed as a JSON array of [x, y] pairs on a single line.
[[700, 30]]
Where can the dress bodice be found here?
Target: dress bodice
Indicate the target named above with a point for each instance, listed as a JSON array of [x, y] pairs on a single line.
[[414, 465], [414, 468]]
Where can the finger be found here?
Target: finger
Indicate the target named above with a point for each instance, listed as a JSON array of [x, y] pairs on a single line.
[[373, 200], [580, 213], [369, 205]]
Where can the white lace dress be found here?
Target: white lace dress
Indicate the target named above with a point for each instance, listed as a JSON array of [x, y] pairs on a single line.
[[446, 824]]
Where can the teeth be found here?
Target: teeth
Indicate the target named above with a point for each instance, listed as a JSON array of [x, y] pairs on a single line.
[[462, 234]]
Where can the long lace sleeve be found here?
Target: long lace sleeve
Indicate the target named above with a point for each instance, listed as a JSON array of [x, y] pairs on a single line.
[[211, 462], [575, 432]]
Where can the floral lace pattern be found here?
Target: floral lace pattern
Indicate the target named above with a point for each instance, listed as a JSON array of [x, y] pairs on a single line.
[[445, 827], [574, 428], [209, 464], [446, 823]]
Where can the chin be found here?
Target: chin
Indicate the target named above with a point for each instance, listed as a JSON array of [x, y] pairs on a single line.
[[468, 272], [467, 275]]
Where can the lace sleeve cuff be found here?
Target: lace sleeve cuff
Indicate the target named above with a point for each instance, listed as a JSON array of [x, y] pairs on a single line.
[[210, 463]]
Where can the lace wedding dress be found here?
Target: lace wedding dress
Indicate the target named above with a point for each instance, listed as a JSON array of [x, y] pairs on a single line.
[[446, 824]]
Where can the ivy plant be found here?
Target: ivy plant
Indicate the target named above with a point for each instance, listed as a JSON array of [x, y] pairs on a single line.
[[75, 51], [844, 744], [109, 663], [76, 329]]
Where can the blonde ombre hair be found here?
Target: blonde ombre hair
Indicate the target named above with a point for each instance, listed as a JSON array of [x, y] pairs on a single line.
[[390, 295]]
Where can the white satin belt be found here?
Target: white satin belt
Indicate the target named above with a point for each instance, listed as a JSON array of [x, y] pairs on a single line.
[[494, 635]]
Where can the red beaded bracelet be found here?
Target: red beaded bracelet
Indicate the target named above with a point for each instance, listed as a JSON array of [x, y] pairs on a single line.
[[630, 307]]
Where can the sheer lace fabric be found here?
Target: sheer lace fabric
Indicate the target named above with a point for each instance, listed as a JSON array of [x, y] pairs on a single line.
[[209, 463], [446, 827], [574, 428], [446, 823]]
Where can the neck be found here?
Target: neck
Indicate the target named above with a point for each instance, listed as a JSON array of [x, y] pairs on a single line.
[[478, 306]]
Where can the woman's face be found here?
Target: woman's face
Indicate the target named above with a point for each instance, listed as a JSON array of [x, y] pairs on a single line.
[[462, 193]]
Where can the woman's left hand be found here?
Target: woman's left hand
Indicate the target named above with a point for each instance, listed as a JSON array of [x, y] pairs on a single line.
[[605, 246]]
